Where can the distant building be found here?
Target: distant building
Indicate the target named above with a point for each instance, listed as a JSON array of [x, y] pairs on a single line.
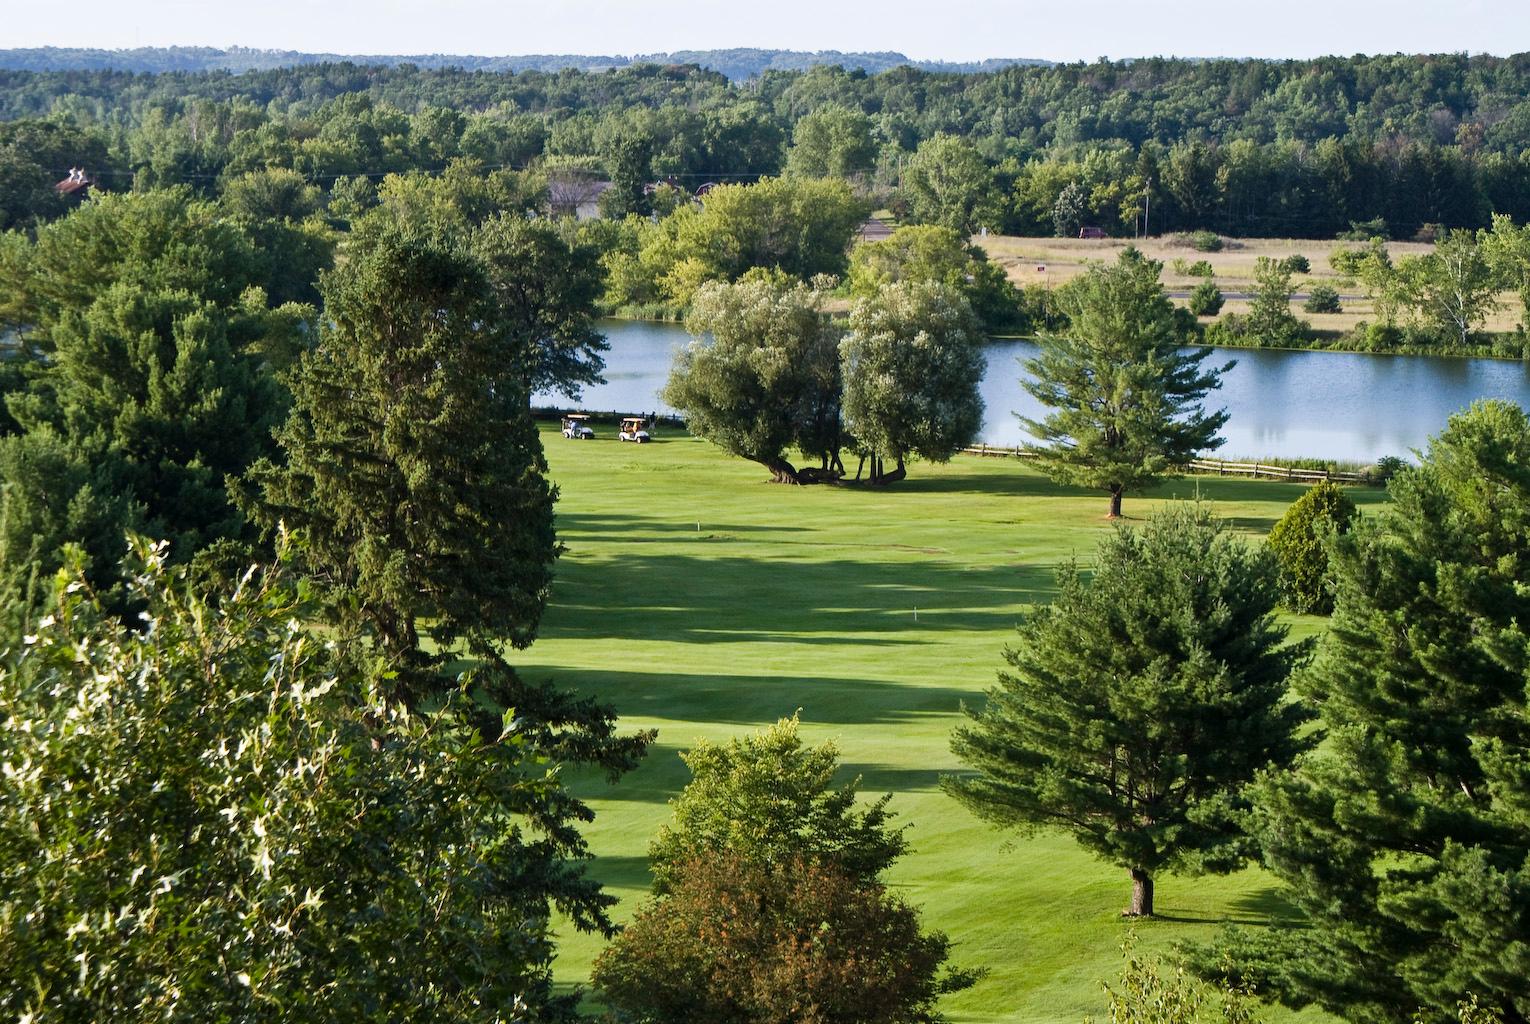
[[873, 230], [76, 186], [1090, 231]]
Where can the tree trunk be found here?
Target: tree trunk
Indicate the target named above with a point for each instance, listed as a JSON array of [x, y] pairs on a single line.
[[1142, 895], [781, 471], [859, 467], [1115, 503]]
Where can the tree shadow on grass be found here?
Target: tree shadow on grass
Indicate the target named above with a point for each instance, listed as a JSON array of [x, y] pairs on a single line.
[[877, 779], [1262, 907], [755, 701], [731, 598], [624, 872], [630, 528]]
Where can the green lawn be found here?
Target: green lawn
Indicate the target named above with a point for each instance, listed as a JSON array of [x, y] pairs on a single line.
[[703, 601]]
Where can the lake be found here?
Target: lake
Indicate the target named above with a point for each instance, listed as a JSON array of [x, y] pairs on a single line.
[[1327, 405]]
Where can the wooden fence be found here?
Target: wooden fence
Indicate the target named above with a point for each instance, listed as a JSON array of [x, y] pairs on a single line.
[[1256, 470]]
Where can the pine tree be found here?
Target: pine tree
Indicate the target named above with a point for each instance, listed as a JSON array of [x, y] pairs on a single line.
[[1126, 398], [412, 465], [1406, 839], [1140, 702]]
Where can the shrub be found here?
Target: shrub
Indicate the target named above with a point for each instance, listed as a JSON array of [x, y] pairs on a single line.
[[738, 942], [1206, 299], [1365, 231], [1200, 268], [1296, 263], [1298, 544], [1206, 241], [1322, 298], [1382, 338]]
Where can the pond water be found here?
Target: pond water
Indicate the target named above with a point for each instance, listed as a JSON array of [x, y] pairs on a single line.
[[1282, 404]]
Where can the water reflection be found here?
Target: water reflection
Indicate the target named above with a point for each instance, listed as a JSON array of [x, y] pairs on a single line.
[[1321, 404]]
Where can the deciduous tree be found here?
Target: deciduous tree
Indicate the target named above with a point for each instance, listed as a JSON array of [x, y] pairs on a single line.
[[762, 375], [214, 814], [912, 364], [768, 799]]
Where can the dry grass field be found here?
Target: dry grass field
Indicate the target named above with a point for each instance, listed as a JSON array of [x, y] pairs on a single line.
[[1054, 261]]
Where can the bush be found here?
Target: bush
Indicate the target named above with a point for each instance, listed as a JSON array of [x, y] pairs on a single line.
[[1296, 263], [1200, 268], [1206, 241], [1365, 231], [1382, 338], [1298, 544], [1206, 299], [1322, 298], [738, 941]]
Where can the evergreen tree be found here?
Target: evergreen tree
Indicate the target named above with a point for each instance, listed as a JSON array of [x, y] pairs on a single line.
[[412, 465], [1127, 399], [1405, 840], [912, 365], [1140, 702]]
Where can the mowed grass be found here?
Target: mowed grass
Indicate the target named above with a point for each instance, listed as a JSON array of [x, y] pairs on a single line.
[[704, 602]]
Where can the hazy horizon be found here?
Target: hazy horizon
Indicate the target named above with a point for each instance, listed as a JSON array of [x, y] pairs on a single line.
[[956, 30]]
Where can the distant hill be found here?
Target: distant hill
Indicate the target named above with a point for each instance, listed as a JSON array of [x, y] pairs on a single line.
[[737, 64]]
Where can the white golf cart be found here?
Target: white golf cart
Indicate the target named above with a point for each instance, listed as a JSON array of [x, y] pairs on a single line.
[[577, 428], [633, 429]]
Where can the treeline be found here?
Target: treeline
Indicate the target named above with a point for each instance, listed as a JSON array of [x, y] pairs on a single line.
[[1256, 148], [737, 63]]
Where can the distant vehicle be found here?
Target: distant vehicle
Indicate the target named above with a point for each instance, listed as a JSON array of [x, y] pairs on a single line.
[[1092, 232], [632, 429], [576, 427]]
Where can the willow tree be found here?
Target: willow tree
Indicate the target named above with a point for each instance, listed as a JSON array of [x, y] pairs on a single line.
[[762, 375], [912, 365], [1126, 396]]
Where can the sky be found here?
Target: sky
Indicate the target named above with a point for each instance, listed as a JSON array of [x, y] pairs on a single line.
[[1061, 30]]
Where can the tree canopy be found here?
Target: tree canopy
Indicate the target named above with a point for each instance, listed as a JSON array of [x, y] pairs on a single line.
[[411, 464], [222, 817]]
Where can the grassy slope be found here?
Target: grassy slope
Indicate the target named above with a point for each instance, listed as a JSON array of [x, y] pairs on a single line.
[[789, 598]]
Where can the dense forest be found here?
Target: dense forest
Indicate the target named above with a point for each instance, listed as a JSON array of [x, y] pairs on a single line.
[[1247, 148]]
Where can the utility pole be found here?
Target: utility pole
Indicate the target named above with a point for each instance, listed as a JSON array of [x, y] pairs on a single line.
[[1147, 207]]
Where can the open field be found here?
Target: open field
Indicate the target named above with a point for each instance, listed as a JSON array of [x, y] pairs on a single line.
[[1064, 258], [704, 602]]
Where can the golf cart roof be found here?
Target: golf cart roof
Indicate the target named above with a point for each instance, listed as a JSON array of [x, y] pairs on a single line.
[[633, 419], [576, 416]]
